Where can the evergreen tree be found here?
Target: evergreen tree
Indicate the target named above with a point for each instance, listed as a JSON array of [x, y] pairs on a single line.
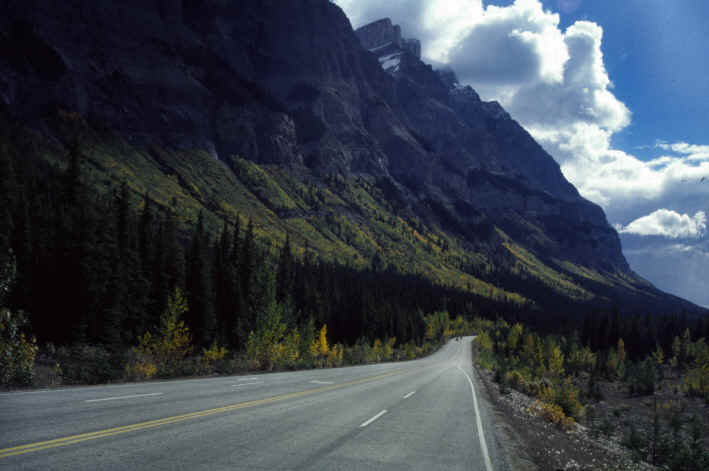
[[202, 319]]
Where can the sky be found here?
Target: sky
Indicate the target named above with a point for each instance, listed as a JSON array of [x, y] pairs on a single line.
[[616, 91]]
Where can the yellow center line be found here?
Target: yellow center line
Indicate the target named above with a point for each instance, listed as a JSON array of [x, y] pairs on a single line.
[[72, 439]]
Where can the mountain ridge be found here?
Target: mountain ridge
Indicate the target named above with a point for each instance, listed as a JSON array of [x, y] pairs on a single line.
[[287, 103]]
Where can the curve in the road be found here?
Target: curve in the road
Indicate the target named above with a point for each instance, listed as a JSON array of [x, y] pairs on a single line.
[[416, 415]]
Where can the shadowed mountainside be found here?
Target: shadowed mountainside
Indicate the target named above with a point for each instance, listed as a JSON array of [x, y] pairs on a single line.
[[275, 110]]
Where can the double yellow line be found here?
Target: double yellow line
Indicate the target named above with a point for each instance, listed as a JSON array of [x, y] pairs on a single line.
[[73, 439]]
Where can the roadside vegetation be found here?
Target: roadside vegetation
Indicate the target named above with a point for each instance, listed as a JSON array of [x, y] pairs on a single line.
[[655, 405], [171, 350]]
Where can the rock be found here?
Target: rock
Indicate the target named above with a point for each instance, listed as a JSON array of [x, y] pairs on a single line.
[[380, 34]]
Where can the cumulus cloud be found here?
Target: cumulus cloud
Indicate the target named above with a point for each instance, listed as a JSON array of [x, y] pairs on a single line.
[[667, 223], [623, 184], [511, 46]]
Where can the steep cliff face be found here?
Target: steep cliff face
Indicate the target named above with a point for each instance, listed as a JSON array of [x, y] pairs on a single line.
[[473, 151], [291, 84]]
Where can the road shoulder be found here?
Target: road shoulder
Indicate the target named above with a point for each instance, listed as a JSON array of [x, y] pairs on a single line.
[[511, 448]]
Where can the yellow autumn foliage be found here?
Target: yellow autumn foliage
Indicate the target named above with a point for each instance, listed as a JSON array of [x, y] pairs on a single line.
[[163, 353], [553, 413]]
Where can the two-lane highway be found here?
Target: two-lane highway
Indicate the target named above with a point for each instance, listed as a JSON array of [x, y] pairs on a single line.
[[426, 414]]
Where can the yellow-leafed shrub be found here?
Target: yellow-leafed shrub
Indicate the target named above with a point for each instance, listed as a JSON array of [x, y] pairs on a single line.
[[546, 393], [167, 349], [210, 357], [516, 380], [142, 369], [17, 351], [696, 381], [553, 413]]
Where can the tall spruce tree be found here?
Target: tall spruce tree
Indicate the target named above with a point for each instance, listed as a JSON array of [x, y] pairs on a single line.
[[201, 314]]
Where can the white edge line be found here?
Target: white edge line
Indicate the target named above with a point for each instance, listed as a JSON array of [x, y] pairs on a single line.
[[246, 384], [115, 398], [364, 424], [481, 434], [84, 388], [409, 395], [248, 379], [315, 381]]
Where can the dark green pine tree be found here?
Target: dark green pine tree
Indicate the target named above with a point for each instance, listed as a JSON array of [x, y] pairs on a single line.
[[22, 248], [8, 191], [199, 287], [146, 234], [73, 245], [286, 271], [136, 288], [237, 332], [249, 283], [223, 288], [285, 281], [167, 268]]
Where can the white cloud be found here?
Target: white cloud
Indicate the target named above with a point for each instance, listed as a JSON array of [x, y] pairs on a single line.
[[683, 147], [667, 223], [624, 184], [511, 46]]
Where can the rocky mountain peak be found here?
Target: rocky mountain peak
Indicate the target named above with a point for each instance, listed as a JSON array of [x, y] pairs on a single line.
[[384, 39], [382, 36]]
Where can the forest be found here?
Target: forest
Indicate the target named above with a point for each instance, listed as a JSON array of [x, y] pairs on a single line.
[[106, 279]]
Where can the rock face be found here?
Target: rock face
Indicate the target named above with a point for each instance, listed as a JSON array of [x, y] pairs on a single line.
[[291, 83], [382, 35]]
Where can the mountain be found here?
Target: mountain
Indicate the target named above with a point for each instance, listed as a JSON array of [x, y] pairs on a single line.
[[345, 140]]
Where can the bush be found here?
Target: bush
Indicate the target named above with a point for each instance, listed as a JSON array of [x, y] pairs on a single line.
[[607, 426], [546, 392], [88, 364], [409, 351], [696, 382], [554, 414], [636, 442], [17, 351], [516, 381], [642, 378], [567, 397], [211, 357]]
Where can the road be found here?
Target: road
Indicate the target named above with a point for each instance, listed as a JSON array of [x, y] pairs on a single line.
[[416, 415]]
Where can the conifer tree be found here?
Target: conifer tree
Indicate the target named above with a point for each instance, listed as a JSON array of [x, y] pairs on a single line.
[[202, 319]]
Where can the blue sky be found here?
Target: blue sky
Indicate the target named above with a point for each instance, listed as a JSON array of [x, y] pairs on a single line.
[[617, 92], [656, 54]]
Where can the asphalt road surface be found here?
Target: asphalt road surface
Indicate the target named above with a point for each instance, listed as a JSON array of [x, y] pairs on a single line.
[[426, 414]]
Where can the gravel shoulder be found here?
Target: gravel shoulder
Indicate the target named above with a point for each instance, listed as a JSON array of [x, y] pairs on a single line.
[[531, 443]]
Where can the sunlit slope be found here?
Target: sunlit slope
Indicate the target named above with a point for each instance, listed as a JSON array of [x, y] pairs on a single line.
[[351, 220]]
